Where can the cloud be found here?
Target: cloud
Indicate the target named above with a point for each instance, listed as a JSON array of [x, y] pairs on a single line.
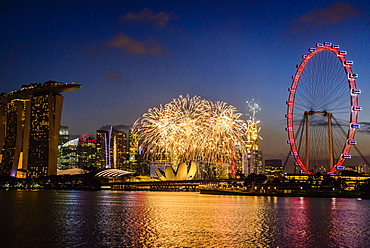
[[334, 14], [160, 19], [112, 75], [133, 46]]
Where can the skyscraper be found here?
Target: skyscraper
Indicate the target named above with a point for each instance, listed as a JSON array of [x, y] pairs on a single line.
[[111, 146], [86, 152], [63, 135], [102, 149], [77, 153], [29, 129]]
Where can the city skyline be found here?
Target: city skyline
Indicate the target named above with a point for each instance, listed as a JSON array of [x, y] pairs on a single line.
[[134, 55]]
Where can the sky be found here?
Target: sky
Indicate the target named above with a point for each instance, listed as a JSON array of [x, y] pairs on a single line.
[[130, 56]]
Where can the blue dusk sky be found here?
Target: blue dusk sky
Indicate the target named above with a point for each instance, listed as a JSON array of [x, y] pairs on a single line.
[[130, 56]]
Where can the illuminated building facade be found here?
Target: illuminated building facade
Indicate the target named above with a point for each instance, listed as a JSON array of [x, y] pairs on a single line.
[[253, 161], [136, 156], [274, 168], [63, 135], [133, 145], [77, 153], [102, 151], [183, 172], [29, 129], [86, 152], [67, 155], [111, 146]]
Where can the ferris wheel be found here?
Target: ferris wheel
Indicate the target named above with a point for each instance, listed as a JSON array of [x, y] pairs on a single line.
[[322, 110]]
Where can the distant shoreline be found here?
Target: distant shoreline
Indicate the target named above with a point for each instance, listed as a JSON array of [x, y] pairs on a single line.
[[355, 194]]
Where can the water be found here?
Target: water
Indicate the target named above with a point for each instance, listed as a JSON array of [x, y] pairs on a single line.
[[179, 219]]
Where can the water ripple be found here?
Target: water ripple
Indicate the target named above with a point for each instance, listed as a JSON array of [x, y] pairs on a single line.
[[164, 219]]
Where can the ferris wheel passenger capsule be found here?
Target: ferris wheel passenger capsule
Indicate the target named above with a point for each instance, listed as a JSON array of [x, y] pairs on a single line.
[[291, 90], [311, 49], [346, 155], [352, 142], [295, 153], [356, 91], [342, 53], [356, 108], [327, 44], [288, 116], [355, 125], [348, 62], [335, 46], [319, 45], [353, 75]]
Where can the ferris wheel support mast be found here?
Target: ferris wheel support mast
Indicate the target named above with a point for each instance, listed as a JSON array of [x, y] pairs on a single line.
[[330, 137]]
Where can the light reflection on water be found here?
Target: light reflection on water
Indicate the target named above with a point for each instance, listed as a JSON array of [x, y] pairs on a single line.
[[172, 219]]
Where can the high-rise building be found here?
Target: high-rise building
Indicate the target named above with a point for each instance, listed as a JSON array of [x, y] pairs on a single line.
[[102, 149], [77, 153], [86, 152], [67, 155], [63, 135], [111, 146], [254, 160], [137, 160], [134, 148], [29, 129], [274, 167]]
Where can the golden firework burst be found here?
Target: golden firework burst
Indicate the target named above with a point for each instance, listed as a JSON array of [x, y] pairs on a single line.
[[191, 128]]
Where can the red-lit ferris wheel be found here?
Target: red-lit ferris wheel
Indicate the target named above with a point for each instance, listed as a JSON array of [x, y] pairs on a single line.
[[322, 97]]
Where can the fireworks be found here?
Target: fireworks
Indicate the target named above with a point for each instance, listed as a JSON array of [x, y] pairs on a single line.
[[253, 108], [191, 128]]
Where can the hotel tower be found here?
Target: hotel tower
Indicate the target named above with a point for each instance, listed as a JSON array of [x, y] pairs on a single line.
[[29, 129]]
